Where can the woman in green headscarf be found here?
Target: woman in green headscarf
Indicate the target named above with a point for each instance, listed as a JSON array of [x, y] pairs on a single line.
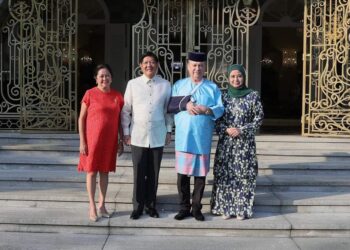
[[236, 165]]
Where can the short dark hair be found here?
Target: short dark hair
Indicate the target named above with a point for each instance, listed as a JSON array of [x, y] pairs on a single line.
[[150, 54], [102, 66]]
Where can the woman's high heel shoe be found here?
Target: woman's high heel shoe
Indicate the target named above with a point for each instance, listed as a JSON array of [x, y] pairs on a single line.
[[93, 216], [104, 214], [226, 217], [240, 217]]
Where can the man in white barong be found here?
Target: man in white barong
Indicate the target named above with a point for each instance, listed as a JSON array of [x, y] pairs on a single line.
[[147, 128], [193, 134]]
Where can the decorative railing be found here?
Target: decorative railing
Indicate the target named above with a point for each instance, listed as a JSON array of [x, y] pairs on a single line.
[[171, 28], [326, 83], [38, 66]]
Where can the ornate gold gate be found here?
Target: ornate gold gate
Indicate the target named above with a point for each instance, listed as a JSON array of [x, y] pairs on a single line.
[[38, 65], [171, 28], [326, 83]]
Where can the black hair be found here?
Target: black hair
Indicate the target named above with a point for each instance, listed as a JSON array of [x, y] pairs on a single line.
[[102, 66], [150, 54]]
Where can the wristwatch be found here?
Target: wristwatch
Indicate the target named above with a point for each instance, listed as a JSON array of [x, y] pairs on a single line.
[[207, 112]]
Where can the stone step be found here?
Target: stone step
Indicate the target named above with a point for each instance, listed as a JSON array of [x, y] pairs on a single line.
[[68, 220], [63, 137], [58, 194], [275, 160], [300, 149], [266, 162], [65, 241], [266, 144], [303, 189], [266, 169], [166, 176]]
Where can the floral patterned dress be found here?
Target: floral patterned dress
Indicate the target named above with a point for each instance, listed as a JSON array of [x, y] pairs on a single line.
[[236, 164]]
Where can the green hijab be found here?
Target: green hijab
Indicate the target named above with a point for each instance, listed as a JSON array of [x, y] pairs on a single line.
[[242, 90]]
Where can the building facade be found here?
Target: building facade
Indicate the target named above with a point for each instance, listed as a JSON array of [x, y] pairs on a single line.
[[296, 54]]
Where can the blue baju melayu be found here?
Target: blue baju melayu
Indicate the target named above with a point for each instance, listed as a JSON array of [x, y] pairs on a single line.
[[193, 134]]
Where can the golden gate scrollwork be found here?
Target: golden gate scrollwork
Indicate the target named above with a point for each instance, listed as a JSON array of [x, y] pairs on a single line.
[[171, 28], [38, 65], [326, 83]]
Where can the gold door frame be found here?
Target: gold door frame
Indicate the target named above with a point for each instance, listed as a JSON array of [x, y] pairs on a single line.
[[171, 28], [38, 66], [326, 78]]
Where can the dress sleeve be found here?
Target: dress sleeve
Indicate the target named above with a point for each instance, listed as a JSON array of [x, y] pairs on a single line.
[[258, 116], [86, 98], [221, 123]]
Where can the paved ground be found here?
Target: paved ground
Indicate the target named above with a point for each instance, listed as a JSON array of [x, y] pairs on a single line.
[[41, 241]]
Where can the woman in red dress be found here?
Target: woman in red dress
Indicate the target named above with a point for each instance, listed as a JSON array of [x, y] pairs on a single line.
[[99, 122]]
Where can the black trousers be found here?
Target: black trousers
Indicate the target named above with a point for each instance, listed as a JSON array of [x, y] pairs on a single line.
[[146, 165], [183, 188]]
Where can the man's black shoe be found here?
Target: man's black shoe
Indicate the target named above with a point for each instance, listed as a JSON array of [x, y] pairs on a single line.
[[198, 215], [152, 212], [136, 214], [182, 215]]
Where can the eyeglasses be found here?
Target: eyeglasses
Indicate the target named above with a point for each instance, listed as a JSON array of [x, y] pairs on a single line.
[[104, 76], [149, 62]]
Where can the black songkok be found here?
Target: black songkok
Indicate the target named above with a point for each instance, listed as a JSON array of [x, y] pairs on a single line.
[[197, 56]]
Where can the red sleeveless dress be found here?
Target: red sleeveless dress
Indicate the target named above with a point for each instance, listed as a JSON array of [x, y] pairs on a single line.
[[102, 122]]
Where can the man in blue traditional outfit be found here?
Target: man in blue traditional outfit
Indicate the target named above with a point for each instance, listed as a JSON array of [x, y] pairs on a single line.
[[193, 134]]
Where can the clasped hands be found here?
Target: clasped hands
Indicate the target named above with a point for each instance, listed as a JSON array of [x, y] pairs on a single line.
[[233, 132], [193, 109]]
